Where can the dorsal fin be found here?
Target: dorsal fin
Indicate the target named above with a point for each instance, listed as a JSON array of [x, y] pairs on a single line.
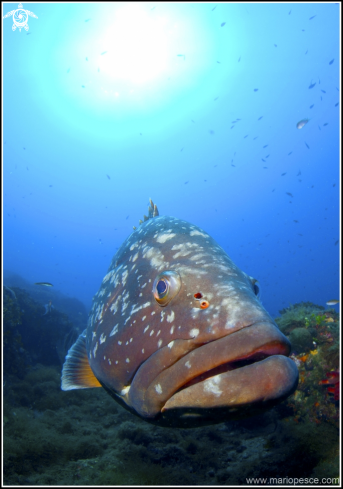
[[76, 371], [153, 212]]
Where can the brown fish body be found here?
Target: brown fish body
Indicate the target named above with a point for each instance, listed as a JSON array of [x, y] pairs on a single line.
[[177, 334]]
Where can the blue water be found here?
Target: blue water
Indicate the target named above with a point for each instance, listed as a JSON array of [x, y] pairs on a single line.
[[107, 105]]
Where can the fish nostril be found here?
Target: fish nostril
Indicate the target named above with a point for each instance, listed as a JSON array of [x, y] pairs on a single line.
[[198, 295], [204, 304]]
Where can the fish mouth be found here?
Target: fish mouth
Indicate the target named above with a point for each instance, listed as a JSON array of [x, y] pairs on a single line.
[[237, 375]]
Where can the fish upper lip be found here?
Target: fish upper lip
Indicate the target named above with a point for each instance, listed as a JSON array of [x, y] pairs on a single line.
[[272, 342], [249, 344]]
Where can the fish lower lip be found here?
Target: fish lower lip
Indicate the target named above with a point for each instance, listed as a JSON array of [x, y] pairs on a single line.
[[256, 386], [223, 356]]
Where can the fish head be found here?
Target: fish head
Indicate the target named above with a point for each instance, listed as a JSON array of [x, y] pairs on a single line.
[[177, 333]]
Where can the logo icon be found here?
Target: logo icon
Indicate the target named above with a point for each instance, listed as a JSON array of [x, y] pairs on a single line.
[[20, 18]]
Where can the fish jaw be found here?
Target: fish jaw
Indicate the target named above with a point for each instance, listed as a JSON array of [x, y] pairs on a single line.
[[237, 374], [235, 394]]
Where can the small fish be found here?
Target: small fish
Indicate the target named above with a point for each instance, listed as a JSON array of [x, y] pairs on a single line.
[[46, 284], [312, 85], [86, 58], [50, 185], [127, 217], [313, 16], [267, 156], [302, 123], [289, 193], [87, 20], [300, 234], [239, 59], [323, 91], [265, 167], [265, 146], [218, 62], [263, 160], [181, 56], [325, 123], [214, 8], [273, 190], [181, 149], [83, 86], [299, 173], [215, 99], [104, 52], [108, 176], [233, 165], [307, 146], [68, 70], [336, 104], [275, 45], [222, 24], [260, 118], [290, 153], [283, 174], [295, 220], [330, 62], [246, 136], [289, 13], [211, 131], [255, 89], [336, 243], [311, 106], [333, 302], [186, 182]]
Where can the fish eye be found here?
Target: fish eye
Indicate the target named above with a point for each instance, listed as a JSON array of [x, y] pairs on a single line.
[[166, 286]]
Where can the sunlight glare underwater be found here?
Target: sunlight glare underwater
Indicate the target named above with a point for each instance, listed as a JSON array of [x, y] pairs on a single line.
[[138, 60]]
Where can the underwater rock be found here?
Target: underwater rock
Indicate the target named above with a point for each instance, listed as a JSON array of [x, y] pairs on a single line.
[[301, 340]]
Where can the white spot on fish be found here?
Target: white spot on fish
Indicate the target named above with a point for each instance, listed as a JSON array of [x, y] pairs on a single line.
[[159, 343], [198, 233], [124, 277], [194, 332], [119, 342], [109, 361], [143, 318], [162, 238], [114, 330], [171, 317], [158, 388], [127, 360], [102, 338], [135, 257], [212, 385], [172, 330], [146, 329], [187, 364], [170, 344], [95, 349], [151, 332], [143, 350], [125, 390]]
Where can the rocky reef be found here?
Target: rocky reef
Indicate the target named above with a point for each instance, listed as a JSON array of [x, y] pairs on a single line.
[[84, 437]]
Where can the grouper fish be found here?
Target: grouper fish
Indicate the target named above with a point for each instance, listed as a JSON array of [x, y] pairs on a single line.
[[177, 333]]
